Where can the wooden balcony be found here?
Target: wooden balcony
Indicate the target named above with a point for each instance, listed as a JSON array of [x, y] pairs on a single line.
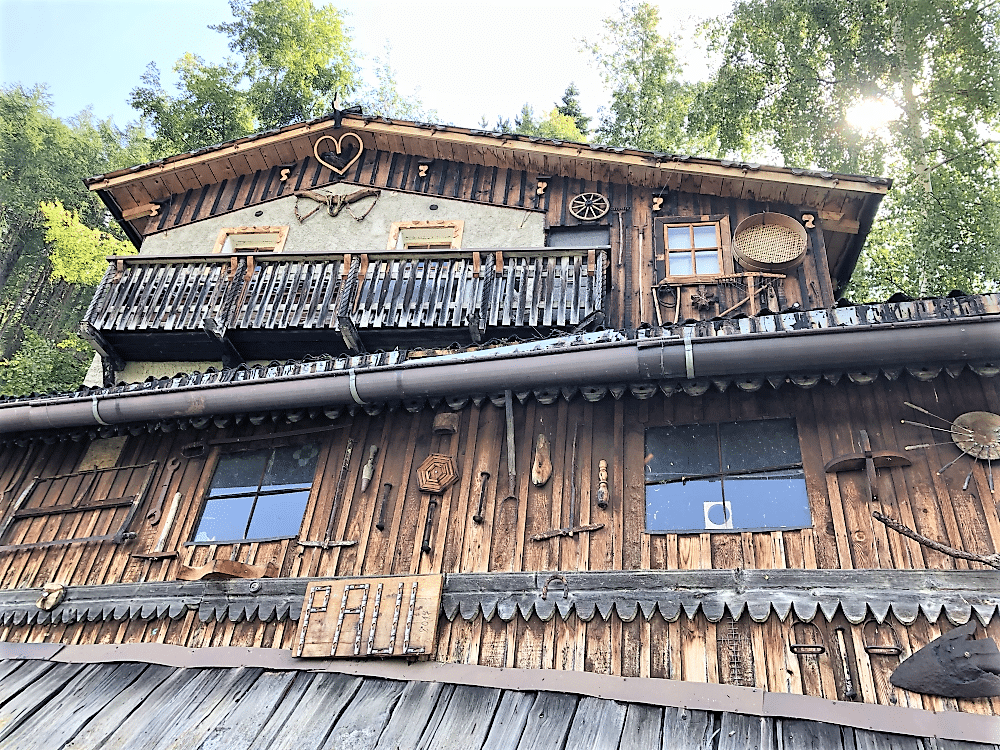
[[259, 306]]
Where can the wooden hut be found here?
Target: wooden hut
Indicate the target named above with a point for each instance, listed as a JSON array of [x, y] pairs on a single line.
[[406, 435]]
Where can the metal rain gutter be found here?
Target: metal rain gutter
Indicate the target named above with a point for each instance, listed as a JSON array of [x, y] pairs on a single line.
[[561, 363]]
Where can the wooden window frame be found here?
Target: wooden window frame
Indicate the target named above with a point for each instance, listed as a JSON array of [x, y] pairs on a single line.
[[724, 248], [457, 227], [722, 475], [272, 444], [225, 234]]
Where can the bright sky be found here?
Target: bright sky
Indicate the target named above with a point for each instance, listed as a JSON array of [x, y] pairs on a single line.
[[464, 59]]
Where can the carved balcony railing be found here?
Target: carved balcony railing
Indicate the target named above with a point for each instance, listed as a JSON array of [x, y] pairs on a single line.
[[260, 306]]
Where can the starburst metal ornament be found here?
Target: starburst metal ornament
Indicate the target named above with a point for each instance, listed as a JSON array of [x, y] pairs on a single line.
[[975, 433]]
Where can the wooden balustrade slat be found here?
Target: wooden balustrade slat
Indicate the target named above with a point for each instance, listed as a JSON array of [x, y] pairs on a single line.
[[536, 288]]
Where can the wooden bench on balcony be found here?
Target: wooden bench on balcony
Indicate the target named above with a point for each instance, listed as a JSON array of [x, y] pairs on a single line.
[[249, 306]]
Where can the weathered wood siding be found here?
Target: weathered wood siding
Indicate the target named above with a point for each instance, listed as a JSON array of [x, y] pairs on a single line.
[[631, 273], [844, 535]]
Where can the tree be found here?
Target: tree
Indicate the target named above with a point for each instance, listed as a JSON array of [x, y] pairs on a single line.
[[384, 100], [77, 252], [570, 107], [553, 125], [292, 59], [41, 366], [649, 102], [209, 109], [296, 57], [524, 121], [793, 70], [43, 158]]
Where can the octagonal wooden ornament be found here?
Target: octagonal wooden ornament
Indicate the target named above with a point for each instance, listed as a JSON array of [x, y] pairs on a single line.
[[437, 473]]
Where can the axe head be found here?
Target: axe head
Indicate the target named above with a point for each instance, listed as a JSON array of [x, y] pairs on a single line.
[[954, 665]]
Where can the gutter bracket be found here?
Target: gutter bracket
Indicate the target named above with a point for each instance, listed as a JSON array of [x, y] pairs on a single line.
[[688, 352], [352, 377], [93, 410]]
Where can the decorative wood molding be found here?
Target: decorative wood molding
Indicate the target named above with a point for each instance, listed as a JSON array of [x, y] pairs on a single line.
[[338, 144], [624, 160], [860, 594]]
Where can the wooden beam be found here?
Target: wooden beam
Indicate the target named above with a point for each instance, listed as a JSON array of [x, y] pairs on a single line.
[[599, 158], [101, 344]]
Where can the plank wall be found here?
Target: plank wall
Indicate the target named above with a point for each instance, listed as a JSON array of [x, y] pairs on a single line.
[[740, 652], [631, 273], [843, 536]]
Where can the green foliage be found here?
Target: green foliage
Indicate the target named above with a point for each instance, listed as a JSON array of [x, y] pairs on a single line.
[[384, 99], [291, 60], [41, 366], [649, 102], [78, 252], [44, 158], [557, 126], [524, 121], [554, 125], [296, 57], [209, 109], [570, 107], [792, 69]]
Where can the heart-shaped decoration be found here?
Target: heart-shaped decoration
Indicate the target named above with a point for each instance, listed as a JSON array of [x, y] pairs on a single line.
[[338, 143]]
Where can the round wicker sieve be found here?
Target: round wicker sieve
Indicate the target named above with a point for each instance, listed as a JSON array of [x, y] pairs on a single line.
[[769, 242]]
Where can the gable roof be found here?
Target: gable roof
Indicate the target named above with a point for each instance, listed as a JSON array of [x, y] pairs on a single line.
[[846, 203]]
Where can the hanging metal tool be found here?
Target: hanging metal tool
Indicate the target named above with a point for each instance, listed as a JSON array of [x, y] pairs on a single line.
[[508, 406], [954, 665], [369, 470], [425, 545], [345, 469], [572, 528], [484, 478], [386, 489], [850, 693], [154, 513]]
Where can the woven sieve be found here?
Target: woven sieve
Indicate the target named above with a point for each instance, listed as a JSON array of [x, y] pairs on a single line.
[[769, 242]]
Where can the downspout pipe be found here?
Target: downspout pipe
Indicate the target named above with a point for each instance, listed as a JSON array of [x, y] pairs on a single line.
[[846, 349]]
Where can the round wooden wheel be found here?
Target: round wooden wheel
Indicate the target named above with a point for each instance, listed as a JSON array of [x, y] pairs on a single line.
[[589, 206]]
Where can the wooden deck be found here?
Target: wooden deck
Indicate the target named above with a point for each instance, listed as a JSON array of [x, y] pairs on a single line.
[[277, 307]]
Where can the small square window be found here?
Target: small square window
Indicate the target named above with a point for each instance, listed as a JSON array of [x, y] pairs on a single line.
[[425, 235], [732, 476], [251, 239], [258, 494], [693, 249]]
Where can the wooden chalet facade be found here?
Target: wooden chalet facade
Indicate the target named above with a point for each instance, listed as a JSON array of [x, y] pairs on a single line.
[[603, 406]]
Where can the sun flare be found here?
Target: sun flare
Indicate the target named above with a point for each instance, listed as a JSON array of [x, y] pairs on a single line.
[[872, 114]]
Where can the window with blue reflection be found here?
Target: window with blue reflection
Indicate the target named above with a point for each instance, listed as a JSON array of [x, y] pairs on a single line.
[[731, 476], [258, 494]]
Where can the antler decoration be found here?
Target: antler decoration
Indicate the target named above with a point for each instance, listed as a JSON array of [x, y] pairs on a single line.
[[992, 560]]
